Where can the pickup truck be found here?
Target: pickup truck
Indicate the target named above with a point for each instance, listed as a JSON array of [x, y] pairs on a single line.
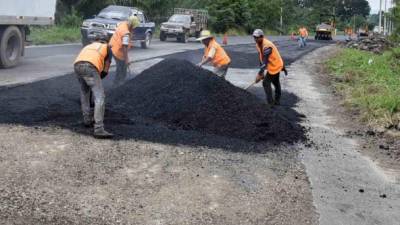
[[15, 18], [183, 24], [109, 18]]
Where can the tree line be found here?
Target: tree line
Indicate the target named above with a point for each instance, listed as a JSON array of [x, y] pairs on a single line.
[[242, 15]]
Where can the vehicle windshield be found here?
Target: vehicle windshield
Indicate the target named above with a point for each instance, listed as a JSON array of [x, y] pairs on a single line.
[[114, 13], [179, 19]]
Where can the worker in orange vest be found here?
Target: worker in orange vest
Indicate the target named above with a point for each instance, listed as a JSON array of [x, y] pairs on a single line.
[[215, 54], [303, 35], [271, 65], [91, 66], [120, 44]]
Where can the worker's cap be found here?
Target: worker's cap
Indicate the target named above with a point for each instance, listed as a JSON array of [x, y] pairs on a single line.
[[258, 33], [205, 34], [133, 21], [98, 36]]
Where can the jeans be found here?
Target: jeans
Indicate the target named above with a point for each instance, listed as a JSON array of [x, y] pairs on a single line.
[[272, 79], [121, 73], [90, 81], [221, 71], [302, 42]]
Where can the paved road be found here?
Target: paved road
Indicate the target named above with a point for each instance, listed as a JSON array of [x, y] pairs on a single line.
[[42, 62]]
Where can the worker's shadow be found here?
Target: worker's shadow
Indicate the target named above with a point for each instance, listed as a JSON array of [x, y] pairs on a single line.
[[55, 103]]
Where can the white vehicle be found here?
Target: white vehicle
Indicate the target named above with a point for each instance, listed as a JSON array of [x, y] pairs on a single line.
[[15, 16]]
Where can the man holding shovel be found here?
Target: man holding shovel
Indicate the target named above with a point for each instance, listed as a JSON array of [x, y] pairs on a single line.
[[271, 64], [91, 66], [214, 53], [120, 44]]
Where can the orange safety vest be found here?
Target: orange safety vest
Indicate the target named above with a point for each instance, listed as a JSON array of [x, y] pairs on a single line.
[[95, 54], [303, 32], [275, 61], [221, 58], [116, 40]]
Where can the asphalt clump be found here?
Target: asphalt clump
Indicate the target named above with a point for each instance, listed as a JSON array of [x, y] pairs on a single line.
[[181, 95]]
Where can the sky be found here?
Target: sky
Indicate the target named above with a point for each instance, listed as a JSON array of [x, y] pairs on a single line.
[[375, 5]]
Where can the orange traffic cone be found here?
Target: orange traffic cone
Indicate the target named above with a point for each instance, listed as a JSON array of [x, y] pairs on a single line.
[[225, 39]]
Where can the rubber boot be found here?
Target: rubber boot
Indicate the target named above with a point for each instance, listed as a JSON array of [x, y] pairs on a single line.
[[100, 133]]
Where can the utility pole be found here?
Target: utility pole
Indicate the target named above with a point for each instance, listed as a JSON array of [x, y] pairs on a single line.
[[380, 16], [385, 27], [281, 20]]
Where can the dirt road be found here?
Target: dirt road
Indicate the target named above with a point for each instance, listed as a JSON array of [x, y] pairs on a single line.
[[54, 172]]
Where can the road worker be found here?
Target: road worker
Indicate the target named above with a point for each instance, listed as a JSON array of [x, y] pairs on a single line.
[[91, 66], [271, 64], [215, 54], [120, 44], [303, 35]]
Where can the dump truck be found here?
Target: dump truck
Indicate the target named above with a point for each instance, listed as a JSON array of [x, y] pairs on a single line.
[[183, 24], [326, 30], [15, 17]]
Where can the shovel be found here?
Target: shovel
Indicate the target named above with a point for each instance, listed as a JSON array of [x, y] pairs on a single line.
[[251, 85]]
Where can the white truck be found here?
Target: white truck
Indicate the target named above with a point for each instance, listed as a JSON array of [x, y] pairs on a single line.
[[15, 17]]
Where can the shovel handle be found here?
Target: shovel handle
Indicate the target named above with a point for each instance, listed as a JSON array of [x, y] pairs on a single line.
[[251, 85]]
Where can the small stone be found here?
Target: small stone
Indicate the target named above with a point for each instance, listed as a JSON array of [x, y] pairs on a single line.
[[383, 196], [361, 190], [384, 147]]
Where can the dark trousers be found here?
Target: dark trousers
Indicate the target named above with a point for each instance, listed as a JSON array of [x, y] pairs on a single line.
[[274, 79]]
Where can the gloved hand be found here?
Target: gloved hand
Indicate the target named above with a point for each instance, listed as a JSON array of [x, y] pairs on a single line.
[[285, 71], [259, 78]]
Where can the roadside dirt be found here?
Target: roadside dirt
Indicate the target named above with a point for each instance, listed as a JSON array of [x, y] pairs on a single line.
[[53, 172], [380, 144]]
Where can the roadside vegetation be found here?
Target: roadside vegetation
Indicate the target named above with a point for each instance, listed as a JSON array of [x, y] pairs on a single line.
[[54, 35], [369, 83], [67, 30]]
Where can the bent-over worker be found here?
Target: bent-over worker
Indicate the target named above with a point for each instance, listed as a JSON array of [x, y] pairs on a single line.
[[214, 53], [271, 64], [91, 66]]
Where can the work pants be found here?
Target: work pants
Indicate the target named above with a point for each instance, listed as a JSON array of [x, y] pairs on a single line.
[[221, 71], [90, 81], [274, 79], [121, 73]]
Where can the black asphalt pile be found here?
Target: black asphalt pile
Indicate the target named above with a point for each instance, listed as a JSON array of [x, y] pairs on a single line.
[[177, 93], [376, 44]]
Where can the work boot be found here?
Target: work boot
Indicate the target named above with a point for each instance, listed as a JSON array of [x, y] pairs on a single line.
[[277, 102], [102, 134]]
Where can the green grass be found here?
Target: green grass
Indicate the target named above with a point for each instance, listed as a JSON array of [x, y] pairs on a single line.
[[54, 35], [369, 83]]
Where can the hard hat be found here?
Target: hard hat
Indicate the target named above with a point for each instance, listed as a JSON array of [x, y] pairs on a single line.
[[133, 21], [98, 36], [205, 34], [258, 33]]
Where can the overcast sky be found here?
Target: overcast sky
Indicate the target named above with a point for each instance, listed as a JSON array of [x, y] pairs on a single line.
[[375, 5]]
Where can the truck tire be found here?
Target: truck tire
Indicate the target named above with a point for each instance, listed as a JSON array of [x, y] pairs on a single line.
[[163, 36], [11, 46], [146, 43], [197, 34], [183, 38]]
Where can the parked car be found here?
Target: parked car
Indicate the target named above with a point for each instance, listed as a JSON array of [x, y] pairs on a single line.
[[109, 18], [183, 24]]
